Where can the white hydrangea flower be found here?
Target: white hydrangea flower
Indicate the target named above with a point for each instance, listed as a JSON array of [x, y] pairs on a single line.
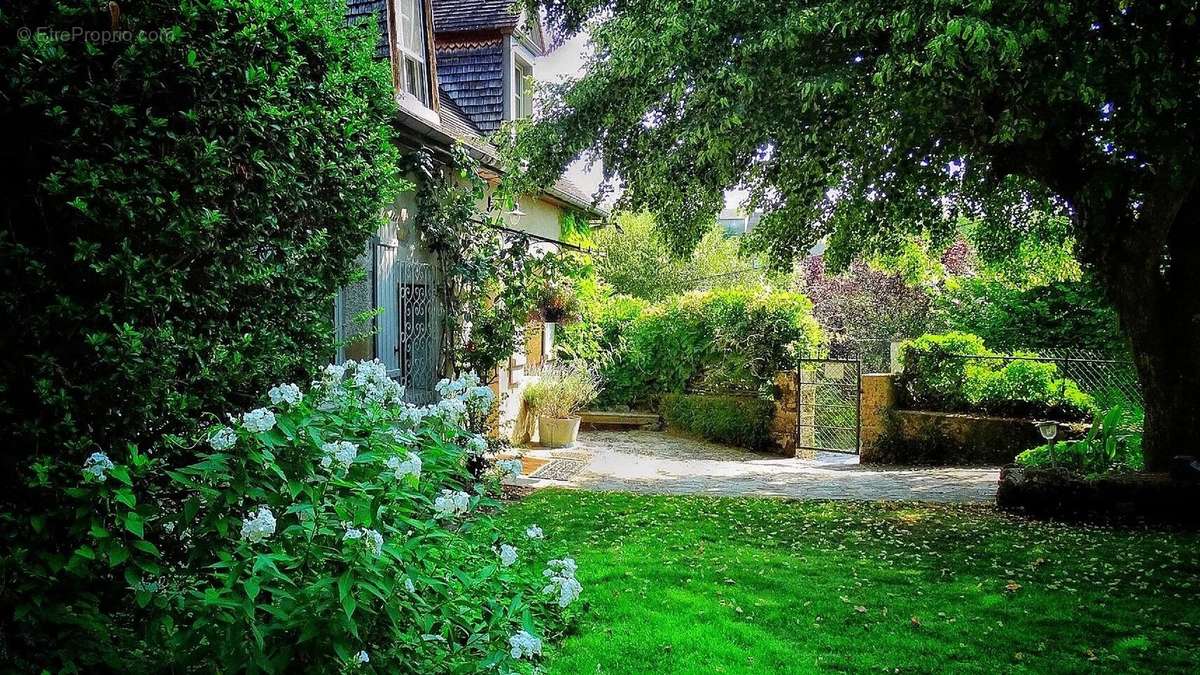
[[96, 464], [451, 503], [361, 657], [534, 532], [374, 542], [224, 439], [563, 568], [259, 525], [371, 377], [510, 467], [508, 555], [452, 410], [334, 372], [284, 393], [341, 453], [524, 645], [370, 538], [568, 590], [258, 420], [482, 395], [562, 581], [477, 445], [447, 388], [409, 466], [410, 417], [409, 586]]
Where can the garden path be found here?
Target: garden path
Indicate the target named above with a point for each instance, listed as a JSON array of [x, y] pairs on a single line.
[[656, 462]]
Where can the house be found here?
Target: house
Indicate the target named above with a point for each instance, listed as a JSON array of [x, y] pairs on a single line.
[[460, 69], [736, 222]]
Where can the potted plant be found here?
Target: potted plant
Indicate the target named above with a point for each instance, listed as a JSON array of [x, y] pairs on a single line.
[[556, 399]]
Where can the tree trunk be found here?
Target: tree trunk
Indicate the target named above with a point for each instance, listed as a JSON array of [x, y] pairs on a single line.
[[1170, 379], [1150, 266]]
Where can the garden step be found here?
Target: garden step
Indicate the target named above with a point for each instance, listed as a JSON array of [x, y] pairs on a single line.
[[616, 421]]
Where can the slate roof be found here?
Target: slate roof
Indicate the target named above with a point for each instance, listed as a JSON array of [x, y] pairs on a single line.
[[475, 15], [454, 118], [571, 192], [472, 76], [362, 11]]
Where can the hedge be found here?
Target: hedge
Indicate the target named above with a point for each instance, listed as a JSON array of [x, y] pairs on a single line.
[[724, 340], [743, 421], [187, 197]]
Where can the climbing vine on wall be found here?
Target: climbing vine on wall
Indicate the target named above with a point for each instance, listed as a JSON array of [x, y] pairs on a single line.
[[489, 278]]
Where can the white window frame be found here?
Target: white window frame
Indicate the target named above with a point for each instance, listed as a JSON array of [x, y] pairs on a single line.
[[522, 93], [410, 50]]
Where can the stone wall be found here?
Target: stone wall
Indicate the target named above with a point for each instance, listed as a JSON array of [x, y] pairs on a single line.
[[1139, 498], [785, 424], [878, 401], [891, 436]]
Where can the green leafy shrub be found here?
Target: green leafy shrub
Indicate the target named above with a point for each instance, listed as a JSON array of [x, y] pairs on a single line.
[[1113, 444], [190, 197], [600, 331], [929, 378], [732, 339], [734, 420], [1056, 314], [324, 531], [935, 377]]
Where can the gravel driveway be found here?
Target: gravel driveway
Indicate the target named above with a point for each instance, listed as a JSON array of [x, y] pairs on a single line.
[[660, 463]]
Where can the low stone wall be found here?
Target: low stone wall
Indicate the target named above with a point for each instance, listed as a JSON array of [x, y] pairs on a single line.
[[1142, 498], [891, 436], [921, 437]]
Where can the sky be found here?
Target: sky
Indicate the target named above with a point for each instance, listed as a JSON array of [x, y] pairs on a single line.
[[568, 60]]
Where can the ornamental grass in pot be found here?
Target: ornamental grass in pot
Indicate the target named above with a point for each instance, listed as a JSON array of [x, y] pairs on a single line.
[[557, 399]]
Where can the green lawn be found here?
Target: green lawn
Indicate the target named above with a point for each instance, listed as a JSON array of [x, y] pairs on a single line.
[[703, 585]]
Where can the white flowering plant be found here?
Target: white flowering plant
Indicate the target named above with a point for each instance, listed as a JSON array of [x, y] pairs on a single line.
[[348, 534]]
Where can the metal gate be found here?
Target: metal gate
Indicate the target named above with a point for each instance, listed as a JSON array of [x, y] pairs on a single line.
[[828, 405]]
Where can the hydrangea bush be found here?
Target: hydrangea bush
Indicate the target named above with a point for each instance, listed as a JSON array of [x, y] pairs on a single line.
[[333, 529]]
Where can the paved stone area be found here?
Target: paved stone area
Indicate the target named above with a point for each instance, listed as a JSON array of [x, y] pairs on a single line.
[[656, 462]]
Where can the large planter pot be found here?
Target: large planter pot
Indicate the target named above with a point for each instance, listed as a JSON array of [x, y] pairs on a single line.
[[557, 433]]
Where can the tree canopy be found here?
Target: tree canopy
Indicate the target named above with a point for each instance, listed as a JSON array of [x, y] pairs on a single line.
[[633, 259], [869, 124]]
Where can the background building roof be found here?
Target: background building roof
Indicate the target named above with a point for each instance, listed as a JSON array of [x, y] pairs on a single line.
[[475, 15]]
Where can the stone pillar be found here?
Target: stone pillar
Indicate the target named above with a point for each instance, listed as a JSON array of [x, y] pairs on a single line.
[[807, 413], [783, 425], [878, 401]]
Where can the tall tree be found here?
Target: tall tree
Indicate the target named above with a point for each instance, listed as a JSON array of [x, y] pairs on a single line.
[[867, 123]]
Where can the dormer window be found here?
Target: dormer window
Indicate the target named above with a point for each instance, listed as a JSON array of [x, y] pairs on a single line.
[[522, 105], [413, 75]]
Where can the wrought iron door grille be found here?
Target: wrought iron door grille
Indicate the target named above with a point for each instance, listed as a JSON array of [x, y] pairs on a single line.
[[416, 342]]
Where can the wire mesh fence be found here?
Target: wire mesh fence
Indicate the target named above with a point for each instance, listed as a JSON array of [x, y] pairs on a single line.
[[874, 353], [1108, 380]]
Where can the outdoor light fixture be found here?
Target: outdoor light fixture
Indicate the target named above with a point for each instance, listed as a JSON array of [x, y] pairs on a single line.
[[1049, 430]]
